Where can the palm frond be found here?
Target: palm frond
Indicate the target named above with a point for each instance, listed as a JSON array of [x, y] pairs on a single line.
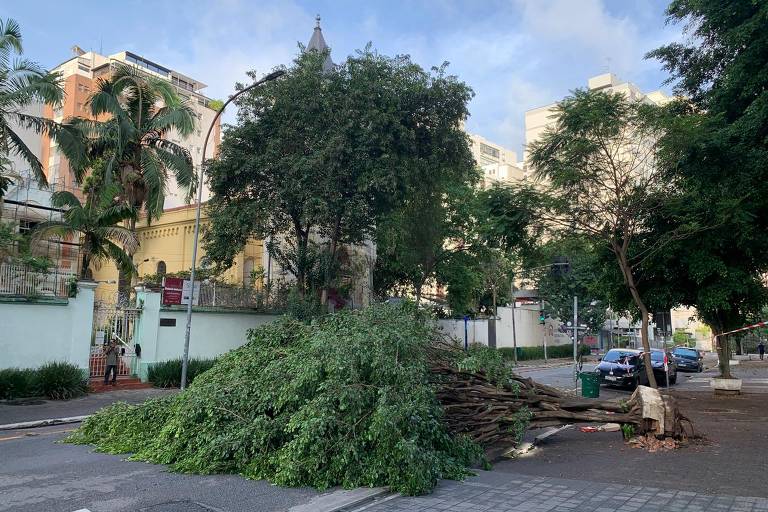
[[52, 229], [155, 179], [10, 36], [65, 199], [179, 117], [121, 258], [18, 146]]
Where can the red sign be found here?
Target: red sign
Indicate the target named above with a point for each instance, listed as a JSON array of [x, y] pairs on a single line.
[[172, 290]]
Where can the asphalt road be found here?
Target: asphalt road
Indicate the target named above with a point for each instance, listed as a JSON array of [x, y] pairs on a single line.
[[39, 474]]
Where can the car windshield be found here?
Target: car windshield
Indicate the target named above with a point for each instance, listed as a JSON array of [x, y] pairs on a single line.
[[657, 355], [616, 356], [687, 353]]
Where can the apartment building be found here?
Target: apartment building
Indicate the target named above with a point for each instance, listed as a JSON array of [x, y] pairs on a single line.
[[498, 164], [80, 76], [537, 120]]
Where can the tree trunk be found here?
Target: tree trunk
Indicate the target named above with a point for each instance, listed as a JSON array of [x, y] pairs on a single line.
[[494, 302], [332, 248], [418, 292], [85, 262], [629, 279], [723, 354]]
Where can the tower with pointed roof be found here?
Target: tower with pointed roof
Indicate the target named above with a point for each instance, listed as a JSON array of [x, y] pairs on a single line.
[[317, 43]]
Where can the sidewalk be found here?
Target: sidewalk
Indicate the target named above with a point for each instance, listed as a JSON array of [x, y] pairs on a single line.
[[509, 492], [45, 409]]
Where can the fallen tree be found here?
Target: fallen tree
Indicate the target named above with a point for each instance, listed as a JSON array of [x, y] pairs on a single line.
[[363, 398]]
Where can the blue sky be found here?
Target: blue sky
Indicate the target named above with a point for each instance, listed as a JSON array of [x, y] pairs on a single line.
[[516, 54]]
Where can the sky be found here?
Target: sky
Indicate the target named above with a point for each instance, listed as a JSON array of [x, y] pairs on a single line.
[[515, 54]]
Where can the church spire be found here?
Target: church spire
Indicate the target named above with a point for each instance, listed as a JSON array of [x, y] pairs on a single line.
[[317, 43]]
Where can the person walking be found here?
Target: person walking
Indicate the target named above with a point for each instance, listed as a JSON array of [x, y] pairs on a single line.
[[761, 349], [111, 354]]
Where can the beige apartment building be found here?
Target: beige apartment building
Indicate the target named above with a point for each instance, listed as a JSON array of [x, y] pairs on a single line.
[[80, 75], [497, 163], [537, 120]]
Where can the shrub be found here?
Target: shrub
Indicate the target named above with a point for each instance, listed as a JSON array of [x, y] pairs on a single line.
[[553, 352], [17, 383], [167, 374], [346, 400], [60, 381]]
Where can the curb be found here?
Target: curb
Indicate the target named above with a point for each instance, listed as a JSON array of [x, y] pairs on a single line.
[[341, 500], [43, 423]]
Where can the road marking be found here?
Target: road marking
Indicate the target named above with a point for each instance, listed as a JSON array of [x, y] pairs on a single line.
[[82, 510]]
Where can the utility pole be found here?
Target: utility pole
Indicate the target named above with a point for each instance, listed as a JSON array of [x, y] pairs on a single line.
[[575, 338], [514, 332]]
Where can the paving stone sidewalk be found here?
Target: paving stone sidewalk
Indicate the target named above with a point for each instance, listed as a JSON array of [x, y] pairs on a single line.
[[509, 492]]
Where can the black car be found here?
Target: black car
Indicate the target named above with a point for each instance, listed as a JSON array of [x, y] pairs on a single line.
[[664, 367], [688, 359], [622, 367]]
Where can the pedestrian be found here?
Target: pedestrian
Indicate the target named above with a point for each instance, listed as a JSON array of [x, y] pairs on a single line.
[[761, 349], [111, 352]]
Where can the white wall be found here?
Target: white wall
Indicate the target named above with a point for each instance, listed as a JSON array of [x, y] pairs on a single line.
[[33, 333], [528, 330], [477, 330], [213, 332]]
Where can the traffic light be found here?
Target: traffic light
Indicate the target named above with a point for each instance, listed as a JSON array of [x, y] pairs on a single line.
[[542, 316], [561, 266]]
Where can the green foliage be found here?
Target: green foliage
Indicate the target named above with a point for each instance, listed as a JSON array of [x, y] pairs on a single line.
[[60, 381], [587, 278], [24, 83], [96, 223], [345, 401], [533, 353], [55, 380], [215, 105], [721, 120], [297, 161], [17, 383], [681, 338], [167, 374], [131, 117], [627, 430]]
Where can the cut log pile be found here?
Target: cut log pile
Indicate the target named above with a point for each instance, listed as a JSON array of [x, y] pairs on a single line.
[[492, 414]]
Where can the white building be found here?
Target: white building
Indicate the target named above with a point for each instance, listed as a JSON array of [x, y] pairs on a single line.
[[498, 164]]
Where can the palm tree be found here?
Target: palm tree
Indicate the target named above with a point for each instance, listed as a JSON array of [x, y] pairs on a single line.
[[139, 112], [23, 83], [96, 224]]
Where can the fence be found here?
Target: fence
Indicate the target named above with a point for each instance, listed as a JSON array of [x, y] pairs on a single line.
[[114, 322], [22, 281], [213, 294]]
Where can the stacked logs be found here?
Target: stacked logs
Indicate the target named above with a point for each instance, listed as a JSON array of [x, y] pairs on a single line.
[[491, 414]]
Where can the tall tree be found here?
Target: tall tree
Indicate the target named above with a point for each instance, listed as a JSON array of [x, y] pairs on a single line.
[[95, 223], [24, 83], [317, 157], [720, 69], [601, 168], [133, 116]]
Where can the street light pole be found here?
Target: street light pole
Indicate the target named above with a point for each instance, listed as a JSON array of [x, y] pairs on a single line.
[[185, 359]]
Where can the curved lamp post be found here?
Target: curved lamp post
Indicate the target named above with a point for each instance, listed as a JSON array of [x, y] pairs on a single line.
[[185, 359]]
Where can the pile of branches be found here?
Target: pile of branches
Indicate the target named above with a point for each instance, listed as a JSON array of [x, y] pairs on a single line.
[[494, 408]]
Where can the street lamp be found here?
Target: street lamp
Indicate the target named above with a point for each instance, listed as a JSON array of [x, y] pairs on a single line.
[[185, 360]]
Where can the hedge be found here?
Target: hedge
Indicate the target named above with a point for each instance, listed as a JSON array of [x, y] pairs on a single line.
[[167, 374], [55, 380], [553, 352]]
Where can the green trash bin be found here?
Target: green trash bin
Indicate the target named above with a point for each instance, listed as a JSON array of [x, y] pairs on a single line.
[[590, 384]]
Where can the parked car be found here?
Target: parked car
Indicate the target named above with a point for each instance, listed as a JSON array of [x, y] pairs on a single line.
[[622, 367], [688, 359], [664, 367]]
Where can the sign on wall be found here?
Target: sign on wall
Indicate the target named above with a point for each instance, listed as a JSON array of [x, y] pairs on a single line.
[[187, 291], [173, 289]]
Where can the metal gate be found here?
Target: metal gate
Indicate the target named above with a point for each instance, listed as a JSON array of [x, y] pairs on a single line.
[[114, 322]]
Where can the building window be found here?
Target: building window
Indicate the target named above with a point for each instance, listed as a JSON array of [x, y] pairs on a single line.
[[488, 150], [247, 272], [160, 268]]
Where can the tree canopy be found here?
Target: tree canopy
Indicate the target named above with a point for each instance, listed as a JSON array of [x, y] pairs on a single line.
[[319, 156]]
